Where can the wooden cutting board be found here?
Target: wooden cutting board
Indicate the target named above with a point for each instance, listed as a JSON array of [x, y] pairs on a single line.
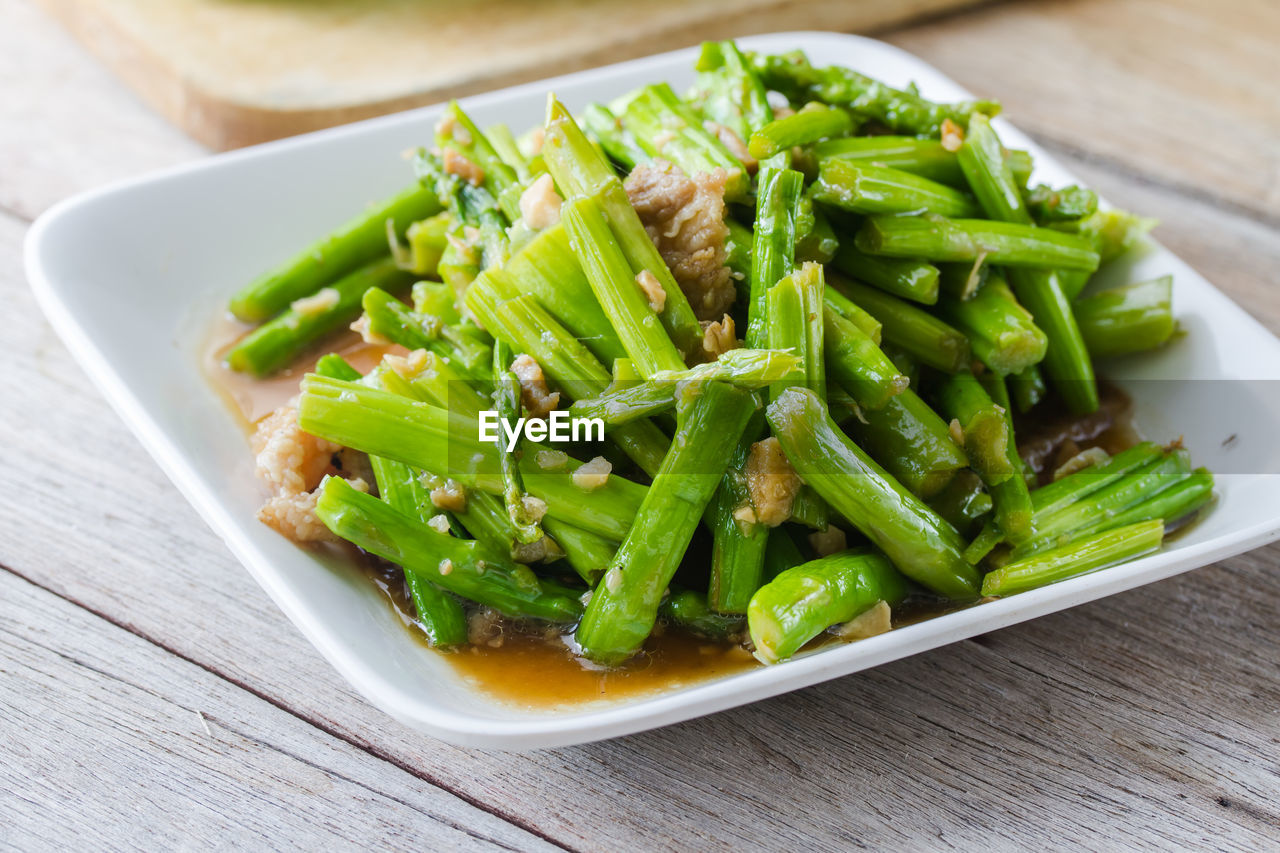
[[236, 72]]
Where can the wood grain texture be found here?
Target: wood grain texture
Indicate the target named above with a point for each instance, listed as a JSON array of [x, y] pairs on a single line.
[[232, 74], [160, 754], [1145, 721], [1179, 92]]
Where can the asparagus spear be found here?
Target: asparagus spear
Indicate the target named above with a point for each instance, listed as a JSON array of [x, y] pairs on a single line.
[[963, 280], [1007, 244], [1020, 165], [924, 157], [547, 269], [1061, 205], [391, 319], [1067, 490], [580, 171], [866, 188], [1127, 319], [664, 126], [858, 365], [812, 123], [920, 544], [1066, 359], [1014, 510], [921, 334], [855, 314], [624, 606], [634, 317], [1075, 558], [773, 252], [436, 299], [745, 368], [738, 548], [963, 503], [524, 324], [508, 149], [458, 132], [1172, 504], [461, 566], [335, 366], [617, 141], [506, 400], [982, 423], [796, 326], [802, 602], [1027, 388], [425, 241], [782, 553], [588, 553], [911, 442], [728, 90], [898, 110], [439, 614], [688, 609], [1111, 233], [278, 342], [902, 277], [816, 239], [1094, 512], [448, 444], [356, 244], [1002, 333]]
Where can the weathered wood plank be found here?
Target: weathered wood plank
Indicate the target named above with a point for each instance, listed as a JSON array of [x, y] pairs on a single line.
[[112, 743], [1180, 92], [1002, 742]]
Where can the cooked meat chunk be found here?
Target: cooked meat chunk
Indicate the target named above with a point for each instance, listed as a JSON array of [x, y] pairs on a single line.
[[538, 399], [290, 460], [684, 217], [294, 517], [772, 483], [293, 463]]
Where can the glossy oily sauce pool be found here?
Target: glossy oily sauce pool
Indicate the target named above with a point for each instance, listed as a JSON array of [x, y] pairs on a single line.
[[535, 669]]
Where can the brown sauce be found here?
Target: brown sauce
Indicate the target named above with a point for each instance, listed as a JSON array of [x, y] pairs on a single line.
[[535, 669], [253, 399]]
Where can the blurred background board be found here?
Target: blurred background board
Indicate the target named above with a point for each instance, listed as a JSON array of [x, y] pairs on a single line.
[[236, 72]]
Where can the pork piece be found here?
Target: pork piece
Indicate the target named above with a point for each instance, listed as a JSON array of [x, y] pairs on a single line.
[[292, 463], [684, 216]]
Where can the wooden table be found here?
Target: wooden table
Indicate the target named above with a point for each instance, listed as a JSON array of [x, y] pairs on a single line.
[[151, 694]]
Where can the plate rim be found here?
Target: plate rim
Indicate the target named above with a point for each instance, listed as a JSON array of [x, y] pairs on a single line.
[[625, 716]]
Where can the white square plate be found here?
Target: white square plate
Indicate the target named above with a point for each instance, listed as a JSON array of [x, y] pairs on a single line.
[[131, 277]]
